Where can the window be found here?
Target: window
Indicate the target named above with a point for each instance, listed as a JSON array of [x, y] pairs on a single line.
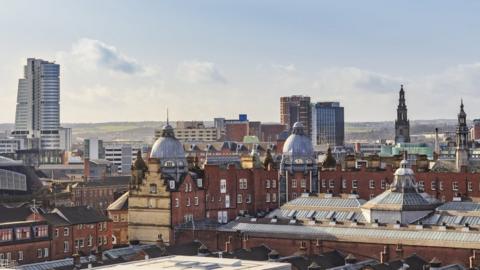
[[243, 183], [440, 186], [303, 183], [115, 218], [40, 231], [65, 231], [372, 196], [371, 184], [90, 241], [267, 183], [227, 201], [6, 235], [324, 184], [99, 240], [151, 203], [45, 252], [354, 184], [65, 246], [274, 184], [188, 201], [469, 186], [223, 186], [239, 198], [177, 202], [22, 233], [294, 183], [153, 189], [433, 185], [171, 184], [331, 183], [56, 232], [39, 253], [344, 183], [455, 186], [383, 184], [274, 197], [267, 197], [421, 185], [294, 195], [249, 198], [195, 200], [20, 255]]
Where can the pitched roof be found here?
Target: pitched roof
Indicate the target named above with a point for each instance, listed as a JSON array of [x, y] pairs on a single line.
[[55, 219], [80, 214], [11, 214], [121, 203]]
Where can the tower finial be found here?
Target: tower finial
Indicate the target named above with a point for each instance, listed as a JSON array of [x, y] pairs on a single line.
[[167, 117]]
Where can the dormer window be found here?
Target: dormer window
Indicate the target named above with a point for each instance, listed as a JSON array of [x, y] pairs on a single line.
[[169, 163]]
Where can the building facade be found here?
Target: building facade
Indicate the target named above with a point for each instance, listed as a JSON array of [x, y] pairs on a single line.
[[296, 109], [328, 124]]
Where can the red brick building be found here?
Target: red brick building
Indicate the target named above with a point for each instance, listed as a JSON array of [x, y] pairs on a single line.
[[369, 183], [91, 231], [99, 194]]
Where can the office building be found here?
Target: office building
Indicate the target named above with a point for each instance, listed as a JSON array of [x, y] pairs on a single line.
[[328, 124], [296, 109], [193, 131], [38, 104], [93, 149], [122, 154]]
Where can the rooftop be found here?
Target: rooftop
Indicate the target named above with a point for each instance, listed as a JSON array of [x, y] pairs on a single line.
[[191, 262]]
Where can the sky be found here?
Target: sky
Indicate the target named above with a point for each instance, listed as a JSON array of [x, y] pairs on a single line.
[[131, 60]]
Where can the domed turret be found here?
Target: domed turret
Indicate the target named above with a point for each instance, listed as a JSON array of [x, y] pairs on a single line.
[[167, 146], [168, 150], [298, 144]]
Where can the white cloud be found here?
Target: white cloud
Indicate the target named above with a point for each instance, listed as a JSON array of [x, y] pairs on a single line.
[[94, 54], [355, 80], [200, 72], [285, 68]]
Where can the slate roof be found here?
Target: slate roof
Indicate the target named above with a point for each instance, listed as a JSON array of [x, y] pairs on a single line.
[[55, 220], [12, 214], [81, 214]]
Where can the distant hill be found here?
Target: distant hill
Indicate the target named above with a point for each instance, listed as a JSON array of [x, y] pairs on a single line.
[[145, 130]]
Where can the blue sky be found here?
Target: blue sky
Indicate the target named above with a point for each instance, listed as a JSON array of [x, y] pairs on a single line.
[[129, 60]]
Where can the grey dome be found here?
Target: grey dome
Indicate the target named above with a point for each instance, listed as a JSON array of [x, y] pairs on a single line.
[[298, 144], [167, 146]]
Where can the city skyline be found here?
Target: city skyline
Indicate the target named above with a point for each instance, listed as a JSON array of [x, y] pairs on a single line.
[[148, 57]]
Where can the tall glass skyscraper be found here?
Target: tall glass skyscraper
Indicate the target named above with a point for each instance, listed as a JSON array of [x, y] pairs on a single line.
[[328, 124], [38, 105]]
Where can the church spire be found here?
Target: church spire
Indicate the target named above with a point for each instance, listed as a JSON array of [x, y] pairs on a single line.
[[462, 152], [402, 124]]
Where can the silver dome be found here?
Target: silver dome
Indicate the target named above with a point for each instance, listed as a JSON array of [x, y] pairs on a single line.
[[298, 144], [167, 146]]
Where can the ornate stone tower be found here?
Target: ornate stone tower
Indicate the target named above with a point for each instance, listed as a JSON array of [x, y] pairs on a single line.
[[402, 124], [462, 140], [149, 203]]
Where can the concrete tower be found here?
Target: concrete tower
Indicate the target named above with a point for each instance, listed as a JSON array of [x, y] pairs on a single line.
[[402, 124]]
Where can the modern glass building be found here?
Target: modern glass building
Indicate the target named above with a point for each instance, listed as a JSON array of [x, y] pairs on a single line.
[[328, 124], [38, 103]]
